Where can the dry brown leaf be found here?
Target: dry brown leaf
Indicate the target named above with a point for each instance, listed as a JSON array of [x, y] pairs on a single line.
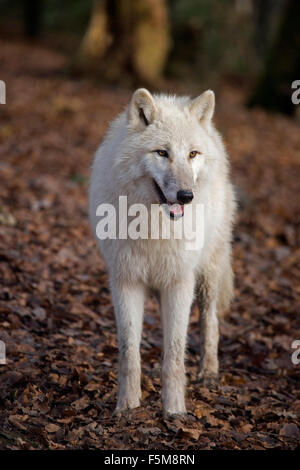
[[189, 433], [51, 427]]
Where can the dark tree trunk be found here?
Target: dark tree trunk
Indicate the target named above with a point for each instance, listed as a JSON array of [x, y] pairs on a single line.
[[32, 13], [262, 17], [274, 91]]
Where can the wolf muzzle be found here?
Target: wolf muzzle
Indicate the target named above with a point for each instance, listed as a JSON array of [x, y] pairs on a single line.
[[184, 196]]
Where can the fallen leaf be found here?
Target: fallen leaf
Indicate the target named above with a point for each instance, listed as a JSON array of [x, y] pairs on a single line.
[[52, 428]]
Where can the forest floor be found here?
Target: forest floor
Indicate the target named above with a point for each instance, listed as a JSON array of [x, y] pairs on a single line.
[[58, 387]]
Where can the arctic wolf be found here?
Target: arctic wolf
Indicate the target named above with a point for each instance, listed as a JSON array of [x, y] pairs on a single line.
[[164, 150]]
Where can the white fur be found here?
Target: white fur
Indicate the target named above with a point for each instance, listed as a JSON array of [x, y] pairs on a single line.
[[126, 165]]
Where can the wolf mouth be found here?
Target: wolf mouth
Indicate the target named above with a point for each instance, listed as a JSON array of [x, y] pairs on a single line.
[[174, 210], [161, 195]]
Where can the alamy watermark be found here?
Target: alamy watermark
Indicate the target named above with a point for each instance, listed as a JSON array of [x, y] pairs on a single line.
[[159, 222], [296, 354], [296, 94], [2, 353], [2, 92]]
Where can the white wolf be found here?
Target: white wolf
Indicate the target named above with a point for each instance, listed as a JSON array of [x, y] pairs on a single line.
[[165, 150]]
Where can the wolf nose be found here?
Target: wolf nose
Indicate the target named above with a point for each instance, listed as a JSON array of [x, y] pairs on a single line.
[[184, 196]]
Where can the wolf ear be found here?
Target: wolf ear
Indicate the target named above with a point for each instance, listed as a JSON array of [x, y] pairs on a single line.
[[141, 110], [203, 106]]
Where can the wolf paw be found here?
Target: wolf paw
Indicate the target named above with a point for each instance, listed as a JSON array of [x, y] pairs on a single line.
[[172, 416], [126, 405], [208, 379], [127, 413]]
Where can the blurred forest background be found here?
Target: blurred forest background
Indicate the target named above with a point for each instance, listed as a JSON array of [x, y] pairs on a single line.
[[199, 42], [69, 68]]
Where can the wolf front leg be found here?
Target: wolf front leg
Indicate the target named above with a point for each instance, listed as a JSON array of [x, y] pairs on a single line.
[[176, 304], [129, 308]]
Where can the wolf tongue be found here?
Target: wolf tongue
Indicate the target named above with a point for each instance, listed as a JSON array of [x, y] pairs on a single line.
[[176, 209]]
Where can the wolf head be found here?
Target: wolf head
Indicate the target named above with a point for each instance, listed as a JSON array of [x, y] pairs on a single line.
[[173, 142]]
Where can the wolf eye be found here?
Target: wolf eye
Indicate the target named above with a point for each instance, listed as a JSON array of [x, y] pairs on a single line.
[[162, 153], [193, 153]]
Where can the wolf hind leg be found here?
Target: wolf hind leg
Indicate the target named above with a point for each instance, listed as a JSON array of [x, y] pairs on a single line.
[[209, 333], [213, 295], [226, 290]]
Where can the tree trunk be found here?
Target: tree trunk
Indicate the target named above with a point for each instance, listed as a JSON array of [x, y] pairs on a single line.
[[32, 14], [151, 38], [262, 20], [126, 38], [97, 39], [283, 65]]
